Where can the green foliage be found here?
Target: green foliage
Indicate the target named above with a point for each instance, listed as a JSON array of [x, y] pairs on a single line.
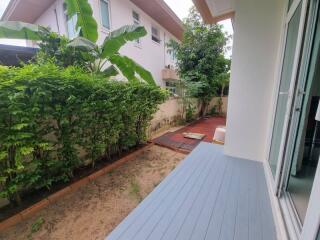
[[21, 30], [120, 37], [54, 48], [36, 226], [135, 190], [200, 58], [190, 113], [213, 111], [48, 114], [85, 21]]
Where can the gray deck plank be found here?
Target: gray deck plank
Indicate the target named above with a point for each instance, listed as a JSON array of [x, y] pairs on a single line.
[[208, 196], [268, 229], [230, 213], [216, 212], [172, 203], [183, 170], [242, 219], [255, 231], [195, 197]]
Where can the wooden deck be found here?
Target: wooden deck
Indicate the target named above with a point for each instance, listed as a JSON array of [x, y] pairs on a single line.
[[208, 196]]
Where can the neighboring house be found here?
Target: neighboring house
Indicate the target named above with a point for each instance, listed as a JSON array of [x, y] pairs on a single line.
[[265, 183], [150, 51]]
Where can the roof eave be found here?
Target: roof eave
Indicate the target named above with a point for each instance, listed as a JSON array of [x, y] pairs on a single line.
[[8, 11], [206, 14], [163, 15]]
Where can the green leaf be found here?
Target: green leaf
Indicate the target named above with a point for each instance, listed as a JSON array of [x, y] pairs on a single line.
[[125, 66], [110, 71], [82, 43], [119, 37], [85, 21], [21, 30], [144, 74], [19, 126], [3, 179], [26, 150], [130, 68], [3, 155]]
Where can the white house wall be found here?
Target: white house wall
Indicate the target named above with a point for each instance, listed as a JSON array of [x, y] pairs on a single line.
[[255, 62], [149, 54]]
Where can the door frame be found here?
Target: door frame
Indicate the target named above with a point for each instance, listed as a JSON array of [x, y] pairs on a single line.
[[303, 51], [295, 70], [309, 229], [301, 85], [288, 16], [312, 221]]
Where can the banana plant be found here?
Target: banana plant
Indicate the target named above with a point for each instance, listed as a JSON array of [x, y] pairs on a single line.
[[109, 61]]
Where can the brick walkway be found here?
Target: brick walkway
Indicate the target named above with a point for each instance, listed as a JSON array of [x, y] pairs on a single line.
[[175, 140]]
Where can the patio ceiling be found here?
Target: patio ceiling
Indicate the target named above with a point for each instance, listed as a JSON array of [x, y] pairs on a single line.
[[213, 11]]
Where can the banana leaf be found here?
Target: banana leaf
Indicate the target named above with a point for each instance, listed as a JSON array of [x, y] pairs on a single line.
[[21, 30], [120, 37], [85, 20]]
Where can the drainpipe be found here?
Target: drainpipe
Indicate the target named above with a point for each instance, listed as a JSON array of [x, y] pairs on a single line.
[[164, 48], [57, 21]]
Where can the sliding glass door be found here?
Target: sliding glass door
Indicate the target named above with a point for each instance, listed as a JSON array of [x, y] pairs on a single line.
[[279, 129], [295, 145]]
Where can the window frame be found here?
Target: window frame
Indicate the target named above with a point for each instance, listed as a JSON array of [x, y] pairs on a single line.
[[171, 86], [155, 39], [138, 23], [109, 15], [67, 19]]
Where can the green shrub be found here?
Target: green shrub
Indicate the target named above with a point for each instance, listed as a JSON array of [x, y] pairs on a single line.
[[48, 114], [190, 113], [213, 111]]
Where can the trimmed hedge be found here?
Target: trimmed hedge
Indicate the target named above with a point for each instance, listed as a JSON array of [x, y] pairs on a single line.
[[48, 115]]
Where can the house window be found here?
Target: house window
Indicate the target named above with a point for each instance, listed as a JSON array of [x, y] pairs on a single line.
[[136, 21], [155, 34], [136, 18], [105, 13], [73, 32], [171, 87], [172, 52]]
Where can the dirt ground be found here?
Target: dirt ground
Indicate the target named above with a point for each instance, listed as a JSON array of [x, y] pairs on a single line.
[[98, 207]]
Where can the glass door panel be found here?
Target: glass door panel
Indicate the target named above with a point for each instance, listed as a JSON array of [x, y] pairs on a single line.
[[307, 145], [285, 81]]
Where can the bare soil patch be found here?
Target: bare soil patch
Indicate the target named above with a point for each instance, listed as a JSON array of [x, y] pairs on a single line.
[[98, 207]]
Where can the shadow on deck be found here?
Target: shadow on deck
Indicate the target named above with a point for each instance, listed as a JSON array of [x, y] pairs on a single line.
[[208, 196]]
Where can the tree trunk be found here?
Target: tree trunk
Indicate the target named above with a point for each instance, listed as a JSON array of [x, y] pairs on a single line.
[[203, 108]]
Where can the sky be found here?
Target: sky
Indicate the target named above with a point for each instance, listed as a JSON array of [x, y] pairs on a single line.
[[3, 6], [180, 7]]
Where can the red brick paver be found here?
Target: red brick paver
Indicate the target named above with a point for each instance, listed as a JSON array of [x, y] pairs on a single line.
[[176, 140]]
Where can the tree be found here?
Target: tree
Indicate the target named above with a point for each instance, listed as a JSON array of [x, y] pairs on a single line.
[[200, 58], [84, 46]]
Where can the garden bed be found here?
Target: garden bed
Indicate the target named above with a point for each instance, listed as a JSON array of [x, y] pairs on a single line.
[[97, 207], [32, 198]]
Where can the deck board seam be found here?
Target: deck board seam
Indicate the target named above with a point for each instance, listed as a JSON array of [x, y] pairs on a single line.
[[176, 193], [204, 181], [187, 163]]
